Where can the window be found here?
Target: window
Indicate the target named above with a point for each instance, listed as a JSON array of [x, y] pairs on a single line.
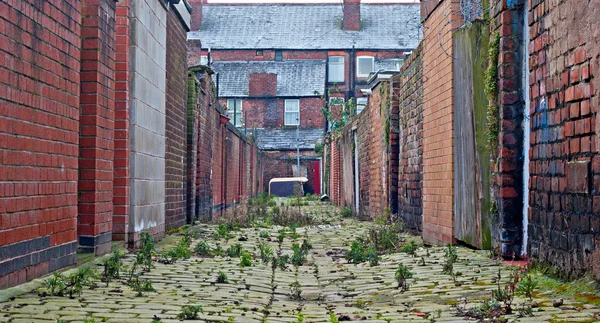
[[278, 56], [398, 64], [234, 109], [336, 100], [336, 69], [259, 53], [203, 60], [364, 66], [361, 104], [292, 113]]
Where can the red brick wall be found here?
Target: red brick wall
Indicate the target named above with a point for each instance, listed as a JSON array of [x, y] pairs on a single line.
[[176, 122], [121, 173], [97, 114], [564, 199], [438, 132], [269, 112], [228, 166], [410, 103], [39, 133], [374, 157]]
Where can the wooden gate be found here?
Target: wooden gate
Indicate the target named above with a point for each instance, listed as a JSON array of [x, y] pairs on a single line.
[[471, 152]]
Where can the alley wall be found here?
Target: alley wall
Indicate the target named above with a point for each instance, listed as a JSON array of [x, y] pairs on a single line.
[[99, 138]]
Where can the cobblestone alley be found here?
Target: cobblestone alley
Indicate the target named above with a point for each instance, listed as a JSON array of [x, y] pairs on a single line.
[[329, 289]]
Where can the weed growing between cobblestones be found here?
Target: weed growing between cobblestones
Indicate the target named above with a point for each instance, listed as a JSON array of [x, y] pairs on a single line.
[[451, 256], [266, 252], [300, 253], [89, 320], [147, 250], [358, 253], [222, 278], [202, 249], [112, 267], [245, 259], [234, 250], [56, 284], [296, 290], [264, 234], [526, 287], [189, 312], [180, 251], [410, 248], [333, 318], [402, 274], [141, 286], [299, 318]]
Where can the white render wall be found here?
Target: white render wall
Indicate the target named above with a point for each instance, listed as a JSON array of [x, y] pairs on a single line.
[[148, 83]]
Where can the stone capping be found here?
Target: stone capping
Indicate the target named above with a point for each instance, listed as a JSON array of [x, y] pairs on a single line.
[[184, 11]]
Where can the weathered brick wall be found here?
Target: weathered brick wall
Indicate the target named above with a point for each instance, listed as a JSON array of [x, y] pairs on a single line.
[[507, 159], [121, 172], [227, 165], [148, 19], [438, 132], [564, 199], [39, 126], [269, 112], [373, 141], [410, 100], [97, 114], [176, 121]]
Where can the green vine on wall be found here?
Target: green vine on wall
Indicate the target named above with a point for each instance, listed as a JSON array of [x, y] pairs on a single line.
[[491, 91]]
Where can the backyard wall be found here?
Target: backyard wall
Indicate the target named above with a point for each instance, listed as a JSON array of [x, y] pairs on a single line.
[[564, 198], [438, 118], [39, 135]]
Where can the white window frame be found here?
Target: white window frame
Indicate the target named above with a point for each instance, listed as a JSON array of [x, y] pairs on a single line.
[[364, 103], [232, 111], [398, 64], [331, 78], [204, 60], [358, 74], [288, 110]]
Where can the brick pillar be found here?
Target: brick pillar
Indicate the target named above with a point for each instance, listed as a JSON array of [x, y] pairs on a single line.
[[121, 134], [96, 126], [507, 166]]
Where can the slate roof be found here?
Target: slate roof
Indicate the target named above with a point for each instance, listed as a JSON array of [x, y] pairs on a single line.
[[305, 26], [285, 139], [294, 78]]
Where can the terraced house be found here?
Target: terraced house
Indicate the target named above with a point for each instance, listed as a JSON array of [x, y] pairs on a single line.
[[279, 65]]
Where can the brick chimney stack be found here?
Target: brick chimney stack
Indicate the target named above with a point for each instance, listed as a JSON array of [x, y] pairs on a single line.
[[262, 84], [196, 14], [351, 14]]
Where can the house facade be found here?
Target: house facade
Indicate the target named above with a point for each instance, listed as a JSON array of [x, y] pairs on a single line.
[[279, 65]]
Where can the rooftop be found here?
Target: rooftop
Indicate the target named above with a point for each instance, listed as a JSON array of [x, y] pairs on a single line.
[[294, 78], [285, 139], [313, 26]]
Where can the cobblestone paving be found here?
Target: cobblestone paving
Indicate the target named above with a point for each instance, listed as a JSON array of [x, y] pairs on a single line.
[[332, 289]]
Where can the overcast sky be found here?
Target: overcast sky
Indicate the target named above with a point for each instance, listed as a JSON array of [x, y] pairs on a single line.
[[309, 1]]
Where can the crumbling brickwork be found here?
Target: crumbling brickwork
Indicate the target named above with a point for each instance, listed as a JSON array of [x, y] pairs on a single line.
[[564, 198], [39, 133]]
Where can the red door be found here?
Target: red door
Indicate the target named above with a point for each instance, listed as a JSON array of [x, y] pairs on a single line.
[[317, 176]]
